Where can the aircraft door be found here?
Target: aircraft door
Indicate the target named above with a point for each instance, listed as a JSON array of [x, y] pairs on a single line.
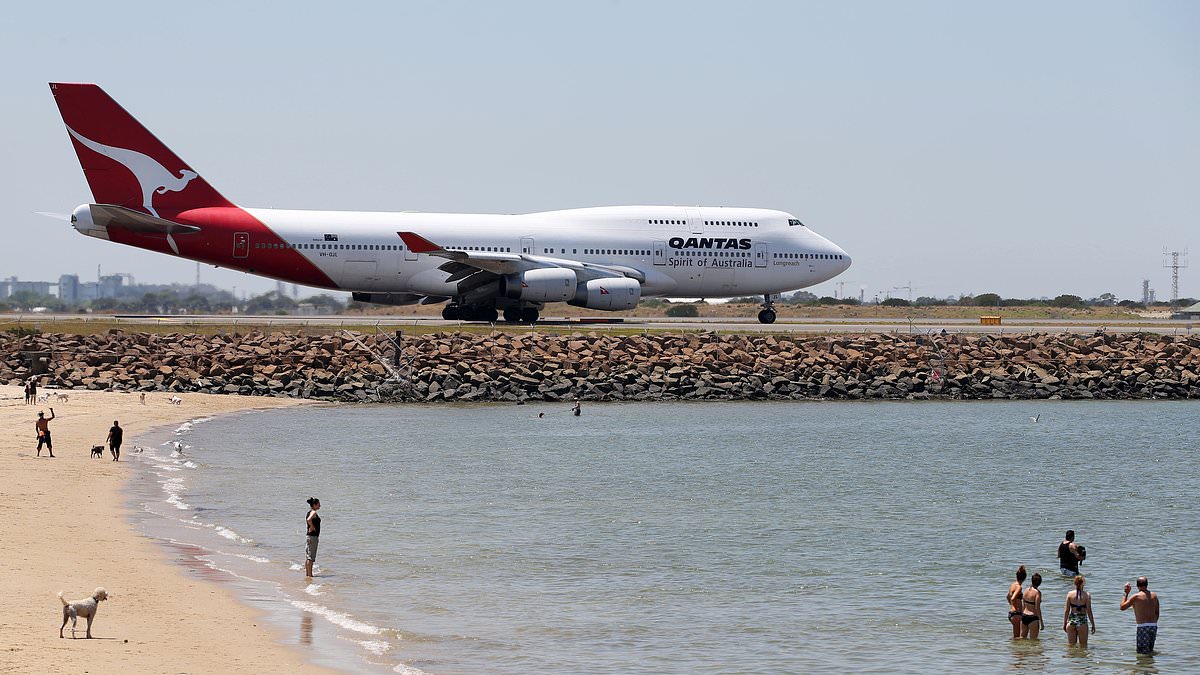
[[527, 245], [360, 275], [409, 255], [694, 220], [760, 255], [659, 249], [241, 244]]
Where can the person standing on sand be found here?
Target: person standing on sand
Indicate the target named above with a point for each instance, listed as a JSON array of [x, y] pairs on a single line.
[[1014, 602], [28, 400], [42, 426], [1145, 612], [114, 440], [1077, 614], [312, 528], [1031, 616], [33, 392]]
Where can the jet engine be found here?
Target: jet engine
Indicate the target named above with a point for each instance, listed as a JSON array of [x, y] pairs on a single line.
[[612, 294], [554, 284]]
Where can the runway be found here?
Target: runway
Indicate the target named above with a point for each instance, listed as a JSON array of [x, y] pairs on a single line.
[[925, 325]]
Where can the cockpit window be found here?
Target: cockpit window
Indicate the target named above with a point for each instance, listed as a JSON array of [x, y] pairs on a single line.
[[792, 222]]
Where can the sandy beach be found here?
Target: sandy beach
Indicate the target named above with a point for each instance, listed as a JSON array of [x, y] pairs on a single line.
[[66, 528]]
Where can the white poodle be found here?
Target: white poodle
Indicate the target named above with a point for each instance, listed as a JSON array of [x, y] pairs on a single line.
[[85, 608]]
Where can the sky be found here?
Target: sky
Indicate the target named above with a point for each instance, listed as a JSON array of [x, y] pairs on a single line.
[[1022, 148]]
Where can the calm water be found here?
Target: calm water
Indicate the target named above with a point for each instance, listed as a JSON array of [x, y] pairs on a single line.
[[683, 538]]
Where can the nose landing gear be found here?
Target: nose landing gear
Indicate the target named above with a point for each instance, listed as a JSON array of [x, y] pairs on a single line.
[[767, 315]]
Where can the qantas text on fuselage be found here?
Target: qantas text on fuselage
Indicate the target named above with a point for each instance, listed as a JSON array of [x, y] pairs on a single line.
[[479, 265]]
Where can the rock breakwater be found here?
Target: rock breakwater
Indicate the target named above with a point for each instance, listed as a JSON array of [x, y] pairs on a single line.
[[607, 367]]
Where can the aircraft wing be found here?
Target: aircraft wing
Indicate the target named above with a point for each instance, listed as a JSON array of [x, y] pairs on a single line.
[[465, 263]]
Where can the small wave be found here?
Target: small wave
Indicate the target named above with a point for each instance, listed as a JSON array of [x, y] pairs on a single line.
[[191, 465], [408, 670], [184, 428], [251, 558], [376, 647], [179, 503], [313, 589], [337, 618], [230, 534]]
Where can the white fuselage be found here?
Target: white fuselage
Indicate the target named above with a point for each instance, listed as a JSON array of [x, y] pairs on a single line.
[[681, 251]]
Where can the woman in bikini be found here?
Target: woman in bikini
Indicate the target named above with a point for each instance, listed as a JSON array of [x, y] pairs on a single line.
[[1014, 602], [1078, 614], [1031, 613]]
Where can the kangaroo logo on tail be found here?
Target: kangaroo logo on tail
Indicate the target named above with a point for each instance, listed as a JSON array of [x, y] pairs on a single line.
[[151, 176]]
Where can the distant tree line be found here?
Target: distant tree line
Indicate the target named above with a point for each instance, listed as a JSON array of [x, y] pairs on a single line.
[[174, 300], [980, 300]]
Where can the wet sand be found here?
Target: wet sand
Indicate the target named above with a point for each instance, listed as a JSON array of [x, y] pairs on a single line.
[[66, 527]]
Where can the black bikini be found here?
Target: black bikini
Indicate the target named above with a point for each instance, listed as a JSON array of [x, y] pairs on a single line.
[[1029, 618]]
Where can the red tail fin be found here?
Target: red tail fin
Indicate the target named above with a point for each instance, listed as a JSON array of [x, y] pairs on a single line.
[[124, 163]]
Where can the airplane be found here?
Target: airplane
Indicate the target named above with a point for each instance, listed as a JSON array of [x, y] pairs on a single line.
[[480, 265]]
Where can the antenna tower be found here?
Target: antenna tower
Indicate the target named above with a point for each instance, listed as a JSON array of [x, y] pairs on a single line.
[[1175, 261]]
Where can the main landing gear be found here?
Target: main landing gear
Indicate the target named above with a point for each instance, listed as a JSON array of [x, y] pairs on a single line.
[[521, 315], [454, 312], [767, 315]]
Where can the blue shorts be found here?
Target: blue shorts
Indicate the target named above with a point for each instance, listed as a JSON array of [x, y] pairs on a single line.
[[1146, 634]]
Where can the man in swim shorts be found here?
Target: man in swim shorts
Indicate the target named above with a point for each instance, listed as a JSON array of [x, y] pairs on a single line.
[[42, 426], [1145, 612]]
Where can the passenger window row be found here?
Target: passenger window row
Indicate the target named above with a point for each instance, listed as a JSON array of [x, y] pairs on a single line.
[[719, 254], [617, 251], [731, 223], [807, 256], [336, 247], [493, 249]]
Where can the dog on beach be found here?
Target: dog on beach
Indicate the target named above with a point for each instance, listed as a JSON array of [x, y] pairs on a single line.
[[85, 608], [43, 398], [175, 400], [98, 451], [62, 398]]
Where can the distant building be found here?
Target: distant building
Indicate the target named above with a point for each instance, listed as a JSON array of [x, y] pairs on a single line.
[[68, 288], [111, 286], [11, 286], [1191, 313]]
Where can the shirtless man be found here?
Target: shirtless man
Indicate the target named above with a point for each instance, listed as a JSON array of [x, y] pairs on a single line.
[[1145, 611], [42, 426]]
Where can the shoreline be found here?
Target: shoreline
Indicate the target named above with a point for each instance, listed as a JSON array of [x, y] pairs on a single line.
[[70, 527]]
